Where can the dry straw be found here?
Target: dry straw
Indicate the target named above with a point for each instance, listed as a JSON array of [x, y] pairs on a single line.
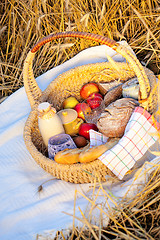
[[135, 217], [23, 23]]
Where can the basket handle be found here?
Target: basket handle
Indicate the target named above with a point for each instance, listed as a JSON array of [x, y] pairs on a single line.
[[31, 86]]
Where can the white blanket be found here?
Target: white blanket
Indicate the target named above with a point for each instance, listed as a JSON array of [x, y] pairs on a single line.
[[24, 212]]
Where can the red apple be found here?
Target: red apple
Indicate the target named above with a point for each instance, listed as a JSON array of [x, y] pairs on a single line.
[[84, 129], [94, 100], [88, 88], [79, 110], [97, 94]]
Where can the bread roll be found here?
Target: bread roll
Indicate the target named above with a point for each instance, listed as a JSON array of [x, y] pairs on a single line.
[[113, 121], [68, 156], [105, 87], [93, 153], [83, 155], [113, 94]]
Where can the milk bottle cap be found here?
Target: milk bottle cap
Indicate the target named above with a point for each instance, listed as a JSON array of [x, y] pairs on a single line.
[[45, 107]]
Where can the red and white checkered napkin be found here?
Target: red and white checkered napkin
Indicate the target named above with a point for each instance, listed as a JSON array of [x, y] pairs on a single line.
[[140, 134]]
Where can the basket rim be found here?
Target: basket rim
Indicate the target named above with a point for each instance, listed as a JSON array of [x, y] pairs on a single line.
[[36, 154], [34, 92]]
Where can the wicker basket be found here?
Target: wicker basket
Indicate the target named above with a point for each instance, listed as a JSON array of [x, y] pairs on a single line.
[[69, 84]]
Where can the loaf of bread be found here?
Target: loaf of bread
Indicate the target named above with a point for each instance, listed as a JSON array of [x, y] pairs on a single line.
[[113, 94], [105, 87], [83, 155], [113, 121], [93, 153], [68, 156]]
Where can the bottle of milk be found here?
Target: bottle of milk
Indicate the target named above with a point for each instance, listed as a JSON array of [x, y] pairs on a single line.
[[49, 122]]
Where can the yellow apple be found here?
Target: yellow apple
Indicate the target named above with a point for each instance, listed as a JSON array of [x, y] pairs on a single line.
[[70, 102]]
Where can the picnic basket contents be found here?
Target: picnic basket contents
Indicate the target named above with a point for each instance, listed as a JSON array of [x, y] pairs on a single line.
[[81, 164]]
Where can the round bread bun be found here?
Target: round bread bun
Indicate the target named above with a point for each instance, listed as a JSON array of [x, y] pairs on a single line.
[[106, 87], [113, 94], [113, 121]]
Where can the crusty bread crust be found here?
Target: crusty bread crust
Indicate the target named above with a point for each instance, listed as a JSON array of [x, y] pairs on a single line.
[[83, 155], [113, 121], [93, 153], [113, 95], [68, 156]]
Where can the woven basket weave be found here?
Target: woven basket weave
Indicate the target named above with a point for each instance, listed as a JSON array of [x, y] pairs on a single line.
[[69, 84]]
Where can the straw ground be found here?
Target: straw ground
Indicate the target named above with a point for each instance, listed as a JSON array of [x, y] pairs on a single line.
[[135, 216], [24, 22]]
